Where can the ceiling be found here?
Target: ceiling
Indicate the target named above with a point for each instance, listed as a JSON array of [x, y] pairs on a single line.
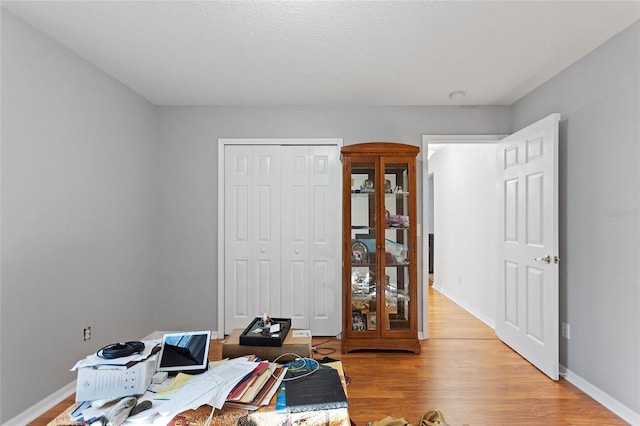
[[330, 52]]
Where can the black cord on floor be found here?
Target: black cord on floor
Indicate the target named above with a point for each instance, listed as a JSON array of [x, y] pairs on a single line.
[[318, 349]]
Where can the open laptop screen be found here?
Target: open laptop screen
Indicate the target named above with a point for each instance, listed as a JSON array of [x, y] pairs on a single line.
[[187, 351]]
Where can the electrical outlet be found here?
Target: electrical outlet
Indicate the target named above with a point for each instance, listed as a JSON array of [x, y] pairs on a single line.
[[566, 331], [87, 333]]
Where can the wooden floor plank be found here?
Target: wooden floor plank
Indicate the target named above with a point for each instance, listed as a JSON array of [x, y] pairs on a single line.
[[463, 370]]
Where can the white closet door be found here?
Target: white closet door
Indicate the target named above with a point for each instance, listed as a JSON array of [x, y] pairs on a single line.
[[295, 235], [252, 233], [238, 223], [282, 236], [266, 184], [325, 257]]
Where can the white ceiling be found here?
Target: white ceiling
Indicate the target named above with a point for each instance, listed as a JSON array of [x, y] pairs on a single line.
[[330, 52]]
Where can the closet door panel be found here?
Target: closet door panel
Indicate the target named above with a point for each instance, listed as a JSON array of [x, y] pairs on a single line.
[[324, 224], [266, 247], [295, 235], [239, 259]]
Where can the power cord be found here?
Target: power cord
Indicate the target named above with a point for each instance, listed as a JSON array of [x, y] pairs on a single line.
[[299, 364], [318, 349], [119, 350]]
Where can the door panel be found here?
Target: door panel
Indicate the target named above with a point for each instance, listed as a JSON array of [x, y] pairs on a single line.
[[510, 301], [535, 202], [309, 238], [535, 303], [238, 256], [240, 290], [266, 249], [252, 234], [295, 235], [527, 292], [511, 210], [325, 257]]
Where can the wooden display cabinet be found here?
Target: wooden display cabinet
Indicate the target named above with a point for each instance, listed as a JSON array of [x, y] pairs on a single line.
[[379, 247]]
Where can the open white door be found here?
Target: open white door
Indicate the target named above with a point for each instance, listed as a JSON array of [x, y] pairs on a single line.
[[527, 275]]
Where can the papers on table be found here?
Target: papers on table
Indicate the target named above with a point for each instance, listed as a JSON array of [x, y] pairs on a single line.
[[175, 386], [210, 387], [190, 392], [183, 393], [258, 388]]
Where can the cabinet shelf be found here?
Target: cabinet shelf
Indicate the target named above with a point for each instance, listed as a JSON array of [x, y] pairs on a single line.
[[370, 265], [365, 228], [370, 297], [359, 192]]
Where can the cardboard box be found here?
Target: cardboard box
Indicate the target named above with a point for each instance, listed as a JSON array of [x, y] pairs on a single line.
[[297, 342], [94, 383]]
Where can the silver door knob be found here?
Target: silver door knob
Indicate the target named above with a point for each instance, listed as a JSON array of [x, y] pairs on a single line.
[[545, 259]]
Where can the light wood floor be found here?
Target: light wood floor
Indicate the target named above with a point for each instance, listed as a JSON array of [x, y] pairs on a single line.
[[463, 370]]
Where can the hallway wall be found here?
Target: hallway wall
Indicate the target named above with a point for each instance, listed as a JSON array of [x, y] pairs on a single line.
[[464, 177]]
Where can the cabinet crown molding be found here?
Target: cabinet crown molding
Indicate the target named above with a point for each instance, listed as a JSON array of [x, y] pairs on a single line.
[[380, 148]]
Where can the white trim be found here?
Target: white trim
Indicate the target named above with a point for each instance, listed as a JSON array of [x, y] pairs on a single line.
[[37, 410], [1, 149], [606, 400], [426, 140], [222, 143]]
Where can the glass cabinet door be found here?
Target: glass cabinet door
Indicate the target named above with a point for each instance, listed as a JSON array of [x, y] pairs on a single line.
[[396, 247], [379, 247], [364, 270]]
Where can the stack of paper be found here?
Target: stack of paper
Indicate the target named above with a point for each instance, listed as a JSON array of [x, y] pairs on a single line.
[[211, 387], [257, 388]]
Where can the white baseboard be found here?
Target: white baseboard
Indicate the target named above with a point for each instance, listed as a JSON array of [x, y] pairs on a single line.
[[488, 321], [610, 403], [43, 406]]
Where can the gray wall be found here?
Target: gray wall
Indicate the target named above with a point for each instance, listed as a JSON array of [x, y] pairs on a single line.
[[599, 98], [188, 150], [78, 214]]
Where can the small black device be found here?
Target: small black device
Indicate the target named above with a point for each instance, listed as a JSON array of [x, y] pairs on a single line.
[[119, 350], [140, 407], [250, 336]]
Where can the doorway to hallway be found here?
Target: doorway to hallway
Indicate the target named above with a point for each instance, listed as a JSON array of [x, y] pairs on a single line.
[[460, 211]]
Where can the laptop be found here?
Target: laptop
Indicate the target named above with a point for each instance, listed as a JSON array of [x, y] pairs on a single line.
[[184, 352]]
